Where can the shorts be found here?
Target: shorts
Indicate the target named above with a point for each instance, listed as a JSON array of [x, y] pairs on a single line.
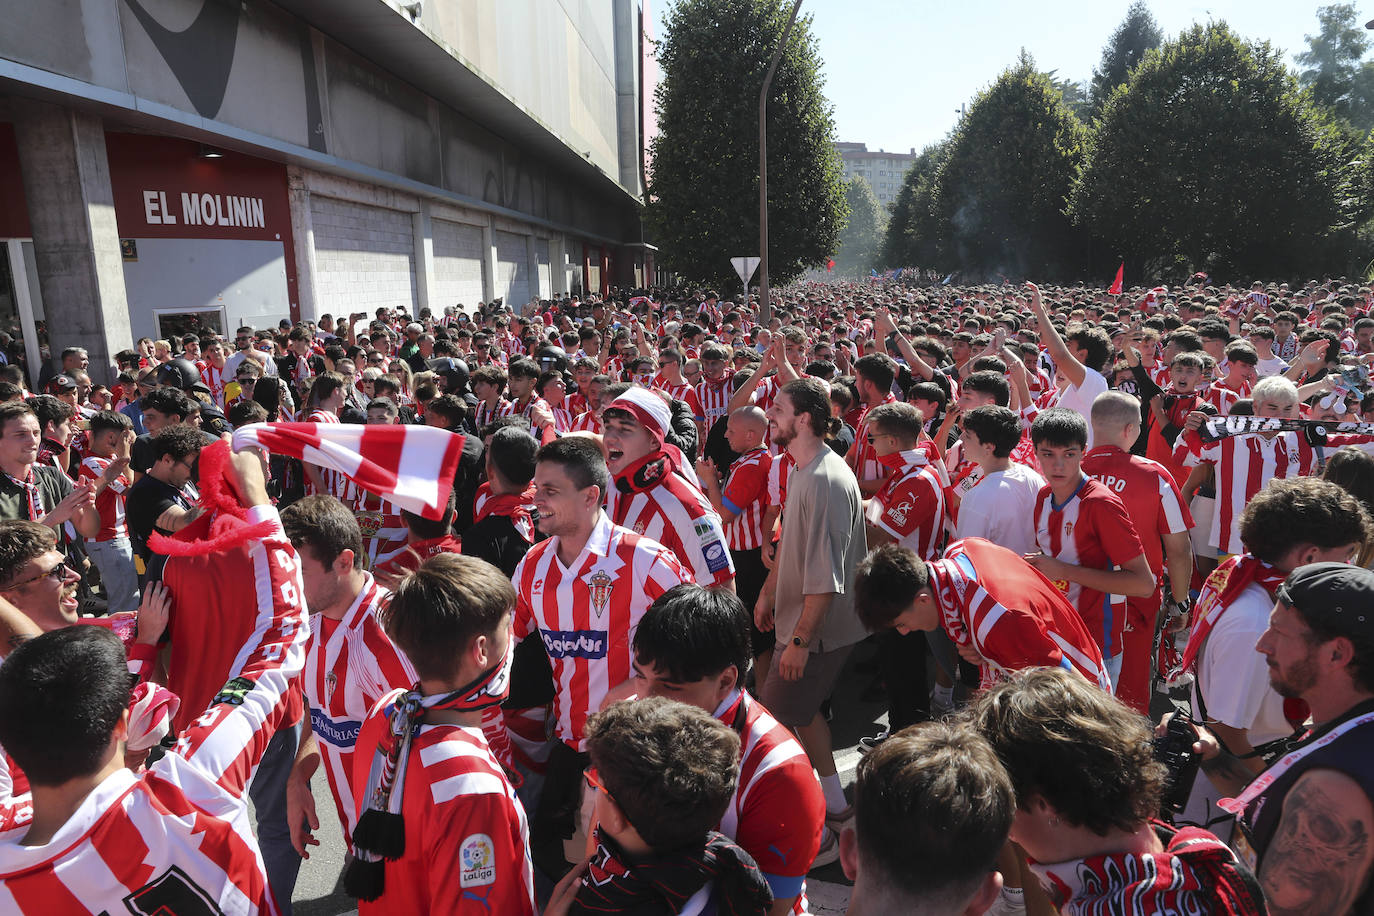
[[1202, 508], [795, 703]]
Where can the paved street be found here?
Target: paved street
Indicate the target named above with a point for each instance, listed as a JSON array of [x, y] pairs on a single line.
[[318, 892]]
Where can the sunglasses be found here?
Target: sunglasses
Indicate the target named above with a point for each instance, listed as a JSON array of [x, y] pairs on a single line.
[[58, 574]]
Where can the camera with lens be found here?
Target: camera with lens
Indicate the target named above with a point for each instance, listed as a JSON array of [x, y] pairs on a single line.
[[1174, 749]]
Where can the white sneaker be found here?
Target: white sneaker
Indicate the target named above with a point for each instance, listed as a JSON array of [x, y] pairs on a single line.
[[830, 848]]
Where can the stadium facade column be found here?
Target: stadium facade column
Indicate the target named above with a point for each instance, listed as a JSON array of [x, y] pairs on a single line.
[[66, 175], [425, 284], [489, 259], [303, 237]]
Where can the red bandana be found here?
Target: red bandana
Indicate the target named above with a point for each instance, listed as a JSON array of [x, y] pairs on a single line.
[[1221, 589], [518, 507]]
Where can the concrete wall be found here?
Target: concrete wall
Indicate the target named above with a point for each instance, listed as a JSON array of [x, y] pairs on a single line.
[[214, 63], [364, 257]]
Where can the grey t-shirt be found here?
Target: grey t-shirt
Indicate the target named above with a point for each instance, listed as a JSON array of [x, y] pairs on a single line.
[[822, 542]]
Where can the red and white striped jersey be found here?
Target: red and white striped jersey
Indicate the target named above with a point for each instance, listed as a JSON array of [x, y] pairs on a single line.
[[862, 458], [350, 664], [675, 513], [467, 843], [1012, 615], [485, 413], [1220, 397], [589, 421], [586, 613], [383, 529], [676, 392], [336, 483], [1244, 464], [109, 503], [562, 419], [577, 403], [778, 473], [215, 380], [910, 506], [777, 811], [713, 400], [512, 347], [746, 494], [1091, 528], [177, 837]]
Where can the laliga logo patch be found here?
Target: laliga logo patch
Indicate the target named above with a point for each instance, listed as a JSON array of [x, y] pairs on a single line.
[[477, 856]]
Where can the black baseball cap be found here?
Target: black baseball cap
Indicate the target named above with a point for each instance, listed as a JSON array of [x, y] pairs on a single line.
[[62, 383], [1339, 595]]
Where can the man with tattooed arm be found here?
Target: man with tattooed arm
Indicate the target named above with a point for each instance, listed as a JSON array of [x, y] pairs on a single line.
[[1306, 823]]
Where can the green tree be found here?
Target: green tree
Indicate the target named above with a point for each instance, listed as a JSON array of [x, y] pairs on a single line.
[[1075, 94], [1210, 157], [999, 198], [1333, 67], [1125, 50], [703, 189], [913, 234], [862, 238]]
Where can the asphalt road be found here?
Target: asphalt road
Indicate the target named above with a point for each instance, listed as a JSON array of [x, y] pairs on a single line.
[[319, 893]]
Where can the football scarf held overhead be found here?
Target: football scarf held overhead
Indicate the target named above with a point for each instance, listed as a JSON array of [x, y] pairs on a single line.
[[1215, 428], [412, 466], [381, 831]]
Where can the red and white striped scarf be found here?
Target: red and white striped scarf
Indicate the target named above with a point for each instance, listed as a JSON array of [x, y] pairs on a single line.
[[30, 487], [411, 466]]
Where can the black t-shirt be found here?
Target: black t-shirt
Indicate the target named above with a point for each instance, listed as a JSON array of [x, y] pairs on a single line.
[[147, 500]]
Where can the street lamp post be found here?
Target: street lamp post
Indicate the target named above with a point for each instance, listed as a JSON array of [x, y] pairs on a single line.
[[764, 311]]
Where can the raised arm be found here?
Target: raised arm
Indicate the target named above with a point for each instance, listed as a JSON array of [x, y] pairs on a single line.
[[1073, 370]]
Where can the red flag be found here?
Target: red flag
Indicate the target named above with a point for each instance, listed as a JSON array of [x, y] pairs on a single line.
[[1115, 289], [830, 265]]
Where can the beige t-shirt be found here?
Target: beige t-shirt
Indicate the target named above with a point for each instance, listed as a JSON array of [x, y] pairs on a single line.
[[822, 542]]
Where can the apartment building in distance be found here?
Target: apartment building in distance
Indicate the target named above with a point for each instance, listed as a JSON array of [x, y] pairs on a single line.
[[882, 170]]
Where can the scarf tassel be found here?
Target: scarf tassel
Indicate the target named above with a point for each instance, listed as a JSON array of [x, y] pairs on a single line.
[[381, 833], [364, 879]]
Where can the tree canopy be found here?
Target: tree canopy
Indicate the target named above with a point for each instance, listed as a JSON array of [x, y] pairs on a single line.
[[1211, 158], [862, 238], [1126, 48], [999, 197], [703, 189], [1334, 68]]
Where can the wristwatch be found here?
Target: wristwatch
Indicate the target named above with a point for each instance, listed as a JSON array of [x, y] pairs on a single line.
[[800, 643]]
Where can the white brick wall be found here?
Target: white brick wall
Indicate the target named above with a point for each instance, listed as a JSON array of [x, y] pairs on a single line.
[[512, 268], [457, 264], [364, 257]]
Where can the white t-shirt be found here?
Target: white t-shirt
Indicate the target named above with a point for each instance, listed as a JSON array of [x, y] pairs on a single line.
[[1001, 508], [231, 365], [1081, 397], [1234, 678], [1272, 366]]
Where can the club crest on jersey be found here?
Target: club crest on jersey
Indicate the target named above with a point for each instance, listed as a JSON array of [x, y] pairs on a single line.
[[331, 681], [477, 857], [1068, 528], [599, 585]]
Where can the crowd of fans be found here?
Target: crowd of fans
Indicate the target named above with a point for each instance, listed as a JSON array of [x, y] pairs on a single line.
[[590, 669]]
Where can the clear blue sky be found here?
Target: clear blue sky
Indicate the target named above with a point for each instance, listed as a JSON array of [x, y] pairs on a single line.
[[897, 71]]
